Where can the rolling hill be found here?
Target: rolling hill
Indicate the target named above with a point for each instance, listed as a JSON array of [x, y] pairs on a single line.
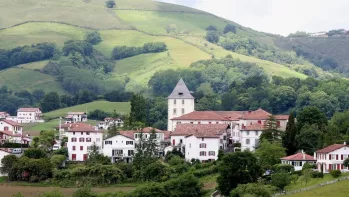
[[130, 23]]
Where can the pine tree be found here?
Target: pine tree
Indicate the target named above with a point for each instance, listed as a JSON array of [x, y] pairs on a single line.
[[288, 139], [271, 132], [113, 130], [138, 109]]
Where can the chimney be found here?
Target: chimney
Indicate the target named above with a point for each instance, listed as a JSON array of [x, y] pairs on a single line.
[[345, 143], [303, 154], [249, 112]]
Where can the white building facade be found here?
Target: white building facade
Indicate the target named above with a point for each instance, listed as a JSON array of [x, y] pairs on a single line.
[[73, 117], [119, 148], [81, 137], [298, 160], [204, 149], [109, 122], [332, 158], [29, 115], [4, 115], [180, 102]]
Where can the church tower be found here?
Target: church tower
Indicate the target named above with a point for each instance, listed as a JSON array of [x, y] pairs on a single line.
[[180, 102]]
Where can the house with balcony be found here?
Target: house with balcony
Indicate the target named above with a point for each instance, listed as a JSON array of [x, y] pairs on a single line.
[[73, 117], [29, 115], [120, 147], [298, 160], [11, 131], [109, 122], [81, 138], [3, 115], [332, 158]]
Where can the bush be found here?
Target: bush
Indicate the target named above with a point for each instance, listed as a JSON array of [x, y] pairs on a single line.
[[316, 174], [93, 38], [110, 3], [229, 28], [211, 28], [84, 192], [308, 166], [35, 153], [283, 168], [121, 52], [212, 36], [156, 172], [335, 173], [206, 171]]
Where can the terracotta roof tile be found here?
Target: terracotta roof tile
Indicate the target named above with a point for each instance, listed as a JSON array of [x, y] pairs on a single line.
[[130, 133], [299, 157], [28, 109], [254, 127], [200, 130], [11, 122], [331, 148], [281, 117], [200, 115], [259, 114], [82, 127]]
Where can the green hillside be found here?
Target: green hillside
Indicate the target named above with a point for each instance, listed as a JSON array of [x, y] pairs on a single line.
[[120, 107], [130, 23]]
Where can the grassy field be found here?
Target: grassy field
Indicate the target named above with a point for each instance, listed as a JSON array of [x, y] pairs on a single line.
[[120, 107], [156, 22], [35, 128], [18, 79], [83, 13], [339, 189], [35, 65]]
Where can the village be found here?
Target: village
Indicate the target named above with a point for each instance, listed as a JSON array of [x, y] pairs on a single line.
[[198, 135]]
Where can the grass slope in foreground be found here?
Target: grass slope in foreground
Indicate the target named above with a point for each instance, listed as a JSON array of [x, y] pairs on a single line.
[[339, 189], [120, 107]]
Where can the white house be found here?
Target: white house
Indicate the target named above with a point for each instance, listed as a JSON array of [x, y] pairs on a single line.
[[180, 102], [108, 122], [298, 160], [332, 157], [12, 132], [250, 136], [4, 115], [73, 117], [3, 153], [81, 137], [28, 115], [120, 147]]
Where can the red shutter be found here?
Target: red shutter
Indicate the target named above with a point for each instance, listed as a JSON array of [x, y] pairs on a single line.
[[81, 148], [329, 166], [73, 157], [259, 122], [329, 157], [338, 166], [85, 157], [73, 147], [173, 142]]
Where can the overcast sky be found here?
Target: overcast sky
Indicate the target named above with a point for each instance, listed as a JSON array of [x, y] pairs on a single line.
[[278, 16]]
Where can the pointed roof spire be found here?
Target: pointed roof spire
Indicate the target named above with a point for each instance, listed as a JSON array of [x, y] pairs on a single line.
[[180, 91]]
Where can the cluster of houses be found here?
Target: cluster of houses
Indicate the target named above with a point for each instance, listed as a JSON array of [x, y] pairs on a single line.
[[199, 135], [24, 115]]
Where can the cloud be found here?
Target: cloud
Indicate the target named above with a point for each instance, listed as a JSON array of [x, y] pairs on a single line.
[[278, 16]]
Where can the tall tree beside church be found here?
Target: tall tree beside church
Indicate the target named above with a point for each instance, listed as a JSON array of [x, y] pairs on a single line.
[[288, 139], [113, 129], [271, 132], [138, 109]]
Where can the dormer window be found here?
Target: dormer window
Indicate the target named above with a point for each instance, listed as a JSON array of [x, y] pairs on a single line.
[[180, 93]]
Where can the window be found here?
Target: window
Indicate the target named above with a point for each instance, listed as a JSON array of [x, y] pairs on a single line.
[[73, 157], [217, 123], [209, 122], [82, 133], [182, 110], [199, 122], [189, 145], [129, 142], [256, 133], [174, 111], [278, 123], [5, 128], [81, 139], [174, 101], [85, 157], [108, 142], [81, 148], [247, 141], [183, 102], [247, 133], [224, 137], [88, 139], [87, 133], [73, 139], [191, 122], [211, 153], [202, 153], [181, 141], [202, 145], [118, 152], [73, 133], [73, 147], [130, 152], [203, 139], [259, 122]]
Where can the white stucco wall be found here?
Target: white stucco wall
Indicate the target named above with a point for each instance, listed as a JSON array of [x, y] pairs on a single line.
[[192, 148], [252, 136], [96, 137], [13, 129], [324, 159], [118, 143], [177, 104]]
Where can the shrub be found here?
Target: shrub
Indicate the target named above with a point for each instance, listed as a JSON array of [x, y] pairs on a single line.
[[308, 166], [335, 173], [294, 178], [121, 52], [157, 172], [206, 171], [57, 160], [283, 168], [229, 28], [316, 174], [35, 153], [110, 3], [93, 38], [211, 28], [212, 36]]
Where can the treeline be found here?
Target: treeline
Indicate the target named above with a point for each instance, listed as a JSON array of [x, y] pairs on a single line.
[[10, 101], [121, 52], [224, 85], [26, 54]]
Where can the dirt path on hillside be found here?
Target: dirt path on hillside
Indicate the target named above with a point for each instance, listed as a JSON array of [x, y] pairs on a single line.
[[27, 191]]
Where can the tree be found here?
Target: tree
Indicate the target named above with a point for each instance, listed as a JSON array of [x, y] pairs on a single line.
[[311, 115], [289, 137], [35, 153], [47, 139], [95, 157], [146, 151], [35, 142], [237, 168], [308, 139], [280, 180], [211, 28], [253, 189], [57, 160], [212, 36], [113, 129], [271, 132], [229, 28], [138, 109], [156, 172], [8, 162], [306, 176], [50, 102], [346, 162], [93, 38], [110, 3], [269, 154]]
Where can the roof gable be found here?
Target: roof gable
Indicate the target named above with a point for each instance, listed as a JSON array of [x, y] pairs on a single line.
[[180, 91], [331, 148], [28, 109], [12, 123], [200, 130], [299, 157]]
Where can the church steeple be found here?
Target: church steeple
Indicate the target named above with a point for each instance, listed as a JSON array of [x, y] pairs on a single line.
[[180, 91], [180, 102]]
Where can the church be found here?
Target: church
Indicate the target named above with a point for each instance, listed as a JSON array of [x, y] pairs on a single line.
[[245, 127]]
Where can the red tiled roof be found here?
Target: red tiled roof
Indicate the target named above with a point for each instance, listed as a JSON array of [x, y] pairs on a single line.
[[256, 115], [331, 148], [254, 127], [28, 109], [9, 133], [200, 130], [76, 113], [5, 150], [281, 117], [11, 122], [200, 115], [299, 157], [82, 127], [127, 134], [130, 133]]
